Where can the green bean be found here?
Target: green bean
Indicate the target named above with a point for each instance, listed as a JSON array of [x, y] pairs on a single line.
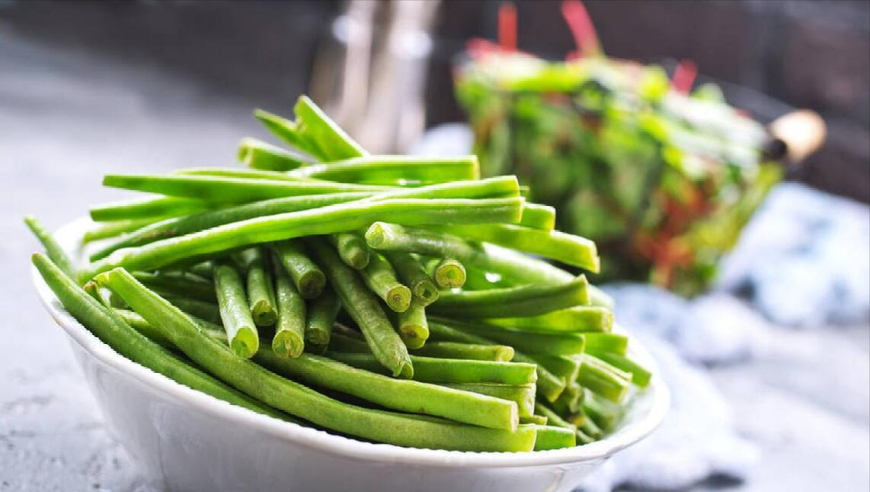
[[552, 417], [550, 437], [456, 350], [257, 154], [570, 400], [115, 228], [288, 131], [564, 366], [179, 226], [317, 127], [605, 414], [241, 173], [321, 316], [522, 395], [600, 343], [180, 284], [147, 208], [307, 277], [603, 379], [139, 323], [289, 339], [392, 169], [583, 439], [260, 288], [173, 227], [412, 274], [526, 300], [412, 325], [640, 375], [436, 370], [351, 249], [566, 248], [449, 273], [578, 319], [549, 385], [112, 330], [325, 220], [52, 248], [364, 308], [534, 419], [235, 315], [396, 394], [536, 216], [590, 429], [214, 189], [529, 342], [300, 401], [513, 267], [380, 277], [208, 311]]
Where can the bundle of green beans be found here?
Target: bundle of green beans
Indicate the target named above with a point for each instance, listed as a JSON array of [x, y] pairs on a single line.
[[381, 297]]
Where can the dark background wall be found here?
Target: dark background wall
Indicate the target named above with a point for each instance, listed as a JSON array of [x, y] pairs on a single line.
[[800, 53]]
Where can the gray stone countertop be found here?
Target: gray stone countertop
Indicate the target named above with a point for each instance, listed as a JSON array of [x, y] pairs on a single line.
[[67, 118]]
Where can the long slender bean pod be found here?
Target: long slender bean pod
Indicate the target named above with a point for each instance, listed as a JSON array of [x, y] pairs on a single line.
[[564, 366], [537, 216], [325, 220], [112, 330], [148, 208], [257, 154], [578, 319], [179, 226], [115, 228], [603, 379], [214, 189], [604, 413], [308, 278], [437, 370], [303, 402], [288, 131], [549, 385], [525, 300], [141, 325], [321, 317], [412, 325], [397, 394], [502, 187], [411, 272], [601, 343], [351, 249], [551, 437], [457, 350], [529, 342], [522, 395], [362, 305], [318, 128], [640, 375], [553, 418], [566, 248], [391, 169], [260, 287], [235, 315], [289, 339], [380, 277], [52, 248], [515, 268]]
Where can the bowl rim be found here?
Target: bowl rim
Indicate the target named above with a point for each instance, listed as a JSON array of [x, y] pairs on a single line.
[[68, 236]]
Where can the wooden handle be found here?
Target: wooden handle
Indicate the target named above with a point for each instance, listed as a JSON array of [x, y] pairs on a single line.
[[803, 132]]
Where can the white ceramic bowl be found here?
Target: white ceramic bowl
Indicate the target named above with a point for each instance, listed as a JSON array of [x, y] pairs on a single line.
[[189, 441]]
